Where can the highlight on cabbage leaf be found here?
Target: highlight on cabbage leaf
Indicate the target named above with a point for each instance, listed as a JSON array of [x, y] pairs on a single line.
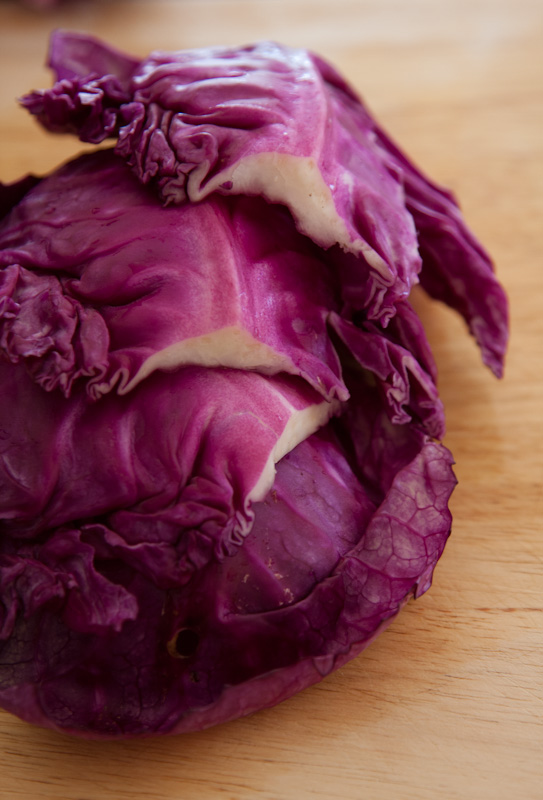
[[221, 474]]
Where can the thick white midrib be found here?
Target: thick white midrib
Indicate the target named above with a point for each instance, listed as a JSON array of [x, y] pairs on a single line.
[[297, 182], [230, 347], [301, 424]]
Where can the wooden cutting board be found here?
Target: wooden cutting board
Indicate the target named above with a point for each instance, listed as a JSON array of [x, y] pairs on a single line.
[[448, 703]]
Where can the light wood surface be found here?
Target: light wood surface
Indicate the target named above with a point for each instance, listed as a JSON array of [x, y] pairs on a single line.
[[448, 703]]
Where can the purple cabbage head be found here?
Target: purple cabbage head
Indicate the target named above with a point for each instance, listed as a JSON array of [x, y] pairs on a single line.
[[220, 468]]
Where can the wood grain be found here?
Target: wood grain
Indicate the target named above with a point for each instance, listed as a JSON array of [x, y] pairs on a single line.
[[448, 703]]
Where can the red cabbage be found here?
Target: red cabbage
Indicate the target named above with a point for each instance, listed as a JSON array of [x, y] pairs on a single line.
[[220, 468]]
